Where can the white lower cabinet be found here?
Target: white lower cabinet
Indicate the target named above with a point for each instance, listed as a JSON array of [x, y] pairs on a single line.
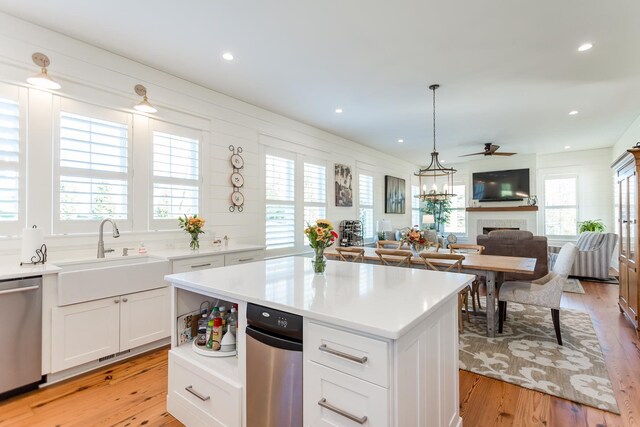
[[88, 331], [198, 397], [332, 398]]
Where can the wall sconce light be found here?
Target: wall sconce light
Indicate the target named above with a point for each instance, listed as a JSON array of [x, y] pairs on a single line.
[[42, 79], [143, 106]]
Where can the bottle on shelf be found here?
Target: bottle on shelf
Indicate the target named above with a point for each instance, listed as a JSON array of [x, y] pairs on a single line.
[[202, 330], [216, 334], [232, 324], [223, 316], [209, 333], [215, 312]]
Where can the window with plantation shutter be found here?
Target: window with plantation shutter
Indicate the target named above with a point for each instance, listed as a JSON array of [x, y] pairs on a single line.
[[365, 203], [280, 209], [315, 192], [457, 223], [415, 206], [176, 175], [9, 161], [94, 172]]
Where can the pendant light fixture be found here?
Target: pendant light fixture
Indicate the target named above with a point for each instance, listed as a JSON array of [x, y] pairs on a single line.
[[143, 106], [42, 79], [428, 176]]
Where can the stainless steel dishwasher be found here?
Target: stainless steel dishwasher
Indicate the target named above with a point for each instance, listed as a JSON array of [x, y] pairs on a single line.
[[20, 335], [274, 368]]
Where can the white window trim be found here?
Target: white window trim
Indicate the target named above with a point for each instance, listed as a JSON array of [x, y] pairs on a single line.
[[20, 95], [362, 171], [75, 107], [545, 177], [187, 132]]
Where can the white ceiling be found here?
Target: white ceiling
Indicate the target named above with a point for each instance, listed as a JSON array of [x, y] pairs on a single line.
[[509, 70]]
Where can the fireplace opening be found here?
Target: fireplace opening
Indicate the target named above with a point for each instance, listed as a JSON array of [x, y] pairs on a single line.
[[486, 230]]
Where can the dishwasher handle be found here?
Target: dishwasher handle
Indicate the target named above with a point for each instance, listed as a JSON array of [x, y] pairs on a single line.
[[273, 340], [14, 290]]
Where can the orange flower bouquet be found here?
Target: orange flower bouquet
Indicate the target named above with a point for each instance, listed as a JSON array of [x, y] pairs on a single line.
[[192, 225], [321, 235]]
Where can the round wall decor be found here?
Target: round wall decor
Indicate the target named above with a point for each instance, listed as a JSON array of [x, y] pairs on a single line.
[[237, 180]]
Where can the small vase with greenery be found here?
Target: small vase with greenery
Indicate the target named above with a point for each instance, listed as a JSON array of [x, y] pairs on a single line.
[[321, 235], [595, 225]]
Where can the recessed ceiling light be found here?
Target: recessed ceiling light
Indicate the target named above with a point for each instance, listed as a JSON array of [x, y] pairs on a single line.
[[573, 112], [339, 110], [228, 56], [584, 47], [401, 141], [566, 147]]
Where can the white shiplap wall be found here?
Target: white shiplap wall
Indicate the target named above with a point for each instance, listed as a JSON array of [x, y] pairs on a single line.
[[93, 75]]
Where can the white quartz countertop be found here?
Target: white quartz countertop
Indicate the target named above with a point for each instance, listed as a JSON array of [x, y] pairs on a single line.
[[380, 300], [172, 254], [10, 271], [10, 268]]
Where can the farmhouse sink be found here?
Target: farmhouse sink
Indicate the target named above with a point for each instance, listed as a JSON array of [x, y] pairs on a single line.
[[88, 280]]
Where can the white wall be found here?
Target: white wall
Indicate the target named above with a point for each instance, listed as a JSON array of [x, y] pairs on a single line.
[[628, 139], [96, 76]]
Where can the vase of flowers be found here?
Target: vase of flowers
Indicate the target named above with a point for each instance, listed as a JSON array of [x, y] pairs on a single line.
[[415, 239], [193, 226], [321, 235]]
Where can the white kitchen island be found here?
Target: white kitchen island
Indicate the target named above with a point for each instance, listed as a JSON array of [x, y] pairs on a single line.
[[402, 322]]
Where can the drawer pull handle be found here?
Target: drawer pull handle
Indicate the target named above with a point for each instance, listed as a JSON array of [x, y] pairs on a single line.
[[201, 265], [196, 394], [360, 420], [245, 259], [361, 360]]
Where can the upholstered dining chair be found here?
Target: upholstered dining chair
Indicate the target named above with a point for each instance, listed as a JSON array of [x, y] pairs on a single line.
[[428, 258], [455, 248], [351, 254], [395, 257], [544, 292]]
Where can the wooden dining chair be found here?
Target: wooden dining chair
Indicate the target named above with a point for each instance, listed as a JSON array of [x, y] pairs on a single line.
[[429, 258], [395, 257], [385, 244], [475, 286], [351, 254]]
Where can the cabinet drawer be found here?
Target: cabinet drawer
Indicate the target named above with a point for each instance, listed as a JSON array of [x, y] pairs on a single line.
[[197, 397], [353, 354], [332, 398], [242, 257], [198, 263]]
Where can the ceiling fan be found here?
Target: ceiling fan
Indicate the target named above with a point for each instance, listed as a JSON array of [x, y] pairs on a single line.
[[490, 150]]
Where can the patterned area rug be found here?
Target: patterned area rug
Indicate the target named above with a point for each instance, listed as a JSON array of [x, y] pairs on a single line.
[[573, 286], [527, 354]]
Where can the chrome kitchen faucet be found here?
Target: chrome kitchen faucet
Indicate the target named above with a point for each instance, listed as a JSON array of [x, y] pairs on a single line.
[[116, 234]]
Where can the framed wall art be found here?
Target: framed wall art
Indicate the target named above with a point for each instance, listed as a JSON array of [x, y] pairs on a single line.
[[344, 185], [395, 194]]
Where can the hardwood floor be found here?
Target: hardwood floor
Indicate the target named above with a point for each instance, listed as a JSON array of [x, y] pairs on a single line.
[[133, 393], [488, 402], [130, 393]]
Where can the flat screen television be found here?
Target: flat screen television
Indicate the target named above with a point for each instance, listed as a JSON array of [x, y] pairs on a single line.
[[501, 186]]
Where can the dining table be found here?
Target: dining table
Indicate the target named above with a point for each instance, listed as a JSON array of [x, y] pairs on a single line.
[[492, 267]]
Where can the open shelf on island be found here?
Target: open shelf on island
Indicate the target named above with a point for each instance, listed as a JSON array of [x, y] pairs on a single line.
[[502, 209], [222, 366]]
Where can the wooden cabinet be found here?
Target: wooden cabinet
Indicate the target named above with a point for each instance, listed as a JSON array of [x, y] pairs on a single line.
[[627, 170], [90, 330]]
